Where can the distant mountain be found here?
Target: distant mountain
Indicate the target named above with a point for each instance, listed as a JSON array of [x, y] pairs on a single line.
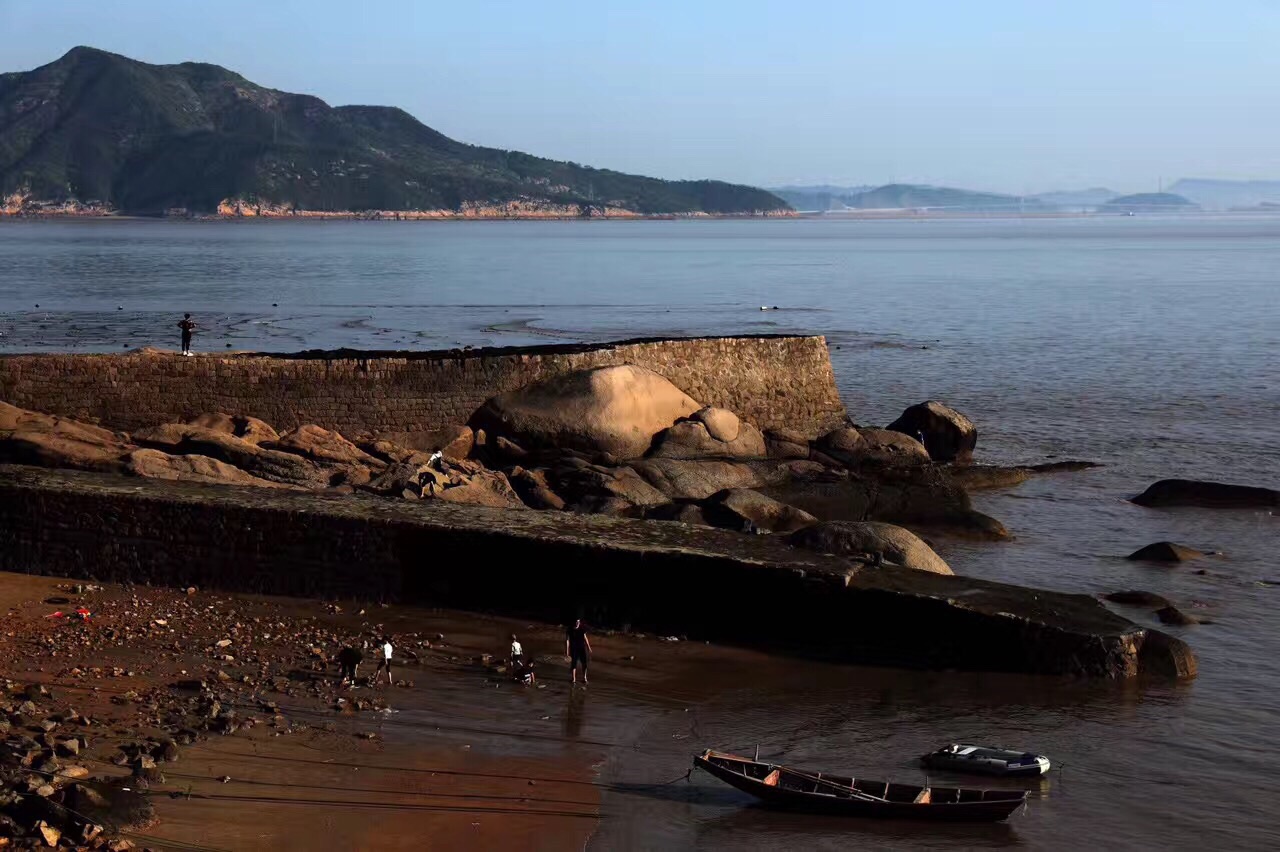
[[903, 195], [1226, 194], [1076, 198], [147, 138], [898, 196], [1149, 202], [821, 197]]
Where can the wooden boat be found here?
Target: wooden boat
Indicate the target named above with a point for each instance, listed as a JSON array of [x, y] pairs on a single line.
[[798, 789], [961, 757]]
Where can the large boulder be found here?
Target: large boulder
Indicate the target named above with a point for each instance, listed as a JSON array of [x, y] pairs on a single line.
[[275, 465], [871, 539], [154, 464], [534, 489], [30, 437], [324, 446], [242, 426], [891, 449], [785, 444], [1213, 495], [616, 410], [1165, 551], [453, 442], [1172, 615], [709, 433], [947, 434], [597, 489], [696, 479], [1164, 655], [483, 488], [744, 509], [844, 445]]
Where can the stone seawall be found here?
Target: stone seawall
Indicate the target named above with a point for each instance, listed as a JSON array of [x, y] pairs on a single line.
[[770, 381], [652, 576]]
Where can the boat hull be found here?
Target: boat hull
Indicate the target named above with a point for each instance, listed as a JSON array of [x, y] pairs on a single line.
[[780, 797]]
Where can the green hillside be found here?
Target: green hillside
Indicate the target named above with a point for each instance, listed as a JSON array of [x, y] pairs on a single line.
[[146, 138]]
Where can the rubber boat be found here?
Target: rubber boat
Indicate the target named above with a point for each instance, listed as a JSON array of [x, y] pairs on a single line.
[[1005, 763], [818, 792]]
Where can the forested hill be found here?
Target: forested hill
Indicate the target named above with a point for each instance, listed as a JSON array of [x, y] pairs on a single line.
[[95, 126]]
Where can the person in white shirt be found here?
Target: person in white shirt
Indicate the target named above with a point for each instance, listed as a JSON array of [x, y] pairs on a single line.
[[517, 653], [384, 664]]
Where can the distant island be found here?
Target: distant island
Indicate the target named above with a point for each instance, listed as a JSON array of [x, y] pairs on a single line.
[[1149, 202], [99, 133], [899, 196]]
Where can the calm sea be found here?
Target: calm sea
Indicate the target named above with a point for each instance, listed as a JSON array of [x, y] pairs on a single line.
[[1151, 345]]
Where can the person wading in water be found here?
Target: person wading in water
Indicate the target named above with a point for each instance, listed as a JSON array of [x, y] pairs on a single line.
[[188, 325], [577, 647]]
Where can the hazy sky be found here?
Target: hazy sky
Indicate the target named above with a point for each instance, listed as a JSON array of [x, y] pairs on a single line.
[[1015, 96]]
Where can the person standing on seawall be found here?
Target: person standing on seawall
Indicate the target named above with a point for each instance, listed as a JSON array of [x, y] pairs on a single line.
[[577, 647], [188, 325]]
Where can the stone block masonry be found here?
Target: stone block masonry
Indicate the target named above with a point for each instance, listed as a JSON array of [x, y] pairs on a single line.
[[655, 576], [773, 382]]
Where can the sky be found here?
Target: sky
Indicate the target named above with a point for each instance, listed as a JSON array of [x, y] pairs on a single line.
[[1017, 97]]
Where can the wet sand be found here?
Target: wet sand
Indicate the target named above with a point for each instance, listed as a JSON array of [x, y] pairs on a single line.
[[456, 755]]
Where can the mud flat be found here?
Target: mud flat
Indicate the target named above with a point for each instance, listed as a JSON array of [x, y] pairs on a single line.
[[655, 576]]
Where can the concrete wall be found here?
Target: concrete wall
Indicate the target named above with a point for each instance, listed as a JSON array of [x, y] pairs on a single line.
[[771, 381], [653, 576]]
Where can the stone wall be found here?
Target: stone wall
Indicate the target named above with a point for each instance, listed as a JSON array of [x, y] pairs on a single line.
[[770, 381], [652, 576]]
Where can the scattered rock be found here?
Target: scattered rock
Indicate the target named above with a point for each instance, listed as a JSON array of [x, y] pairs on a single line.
[[1213, 495], [871, 539], [947, 434], [1173, 615], [1165, 551], [980, 476], [1137, 597]]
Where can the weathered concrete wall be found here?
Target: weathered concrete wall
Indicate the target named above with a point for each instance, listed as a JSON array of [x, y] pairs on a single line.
[[661, 577], [771, 381]]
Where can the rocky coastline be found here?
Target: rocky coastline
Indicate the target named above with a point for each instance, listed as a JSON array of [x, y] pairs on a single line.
[[605, 491]]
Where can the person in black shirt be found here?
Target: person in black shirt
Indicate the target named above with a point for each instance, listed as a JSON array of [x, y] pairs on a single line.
[[349, 660], [187, 325], [577, 647]]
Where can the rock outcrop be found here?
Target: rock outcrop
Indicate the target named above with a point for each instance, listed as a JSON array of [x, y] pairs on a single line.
[[246, 428], [871, 539], [1165, 551], [947, 434], [709, 433], [615, 410], [746, 510], [1213, 495], [696, 479], [154, 464], [598, 489], [323, 446], [261, 462], [29, 437], [785, 444]]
